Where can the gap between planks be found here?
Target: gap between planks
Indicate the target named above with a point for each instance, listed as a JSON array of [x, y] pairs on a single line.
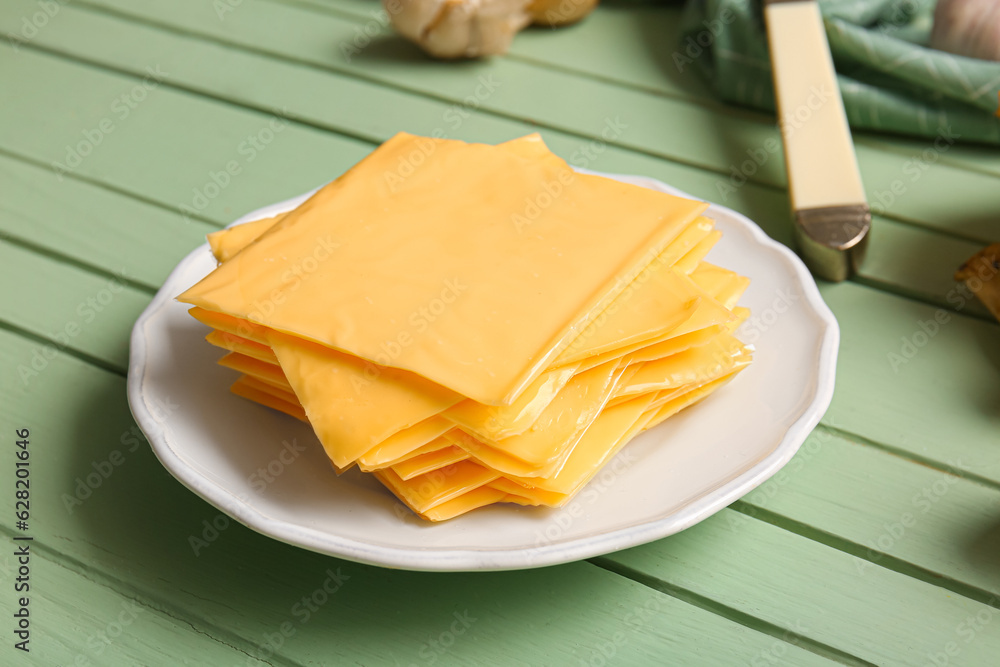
[[727, 612]]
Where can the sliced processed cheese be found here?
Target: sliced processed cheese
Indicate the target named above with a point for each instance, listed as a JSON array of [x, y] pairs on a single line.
[[261, 370], [453, 225], [598, 444], [696, 364], [691, 260], [425, 463], [482, 326], [249, 389], [640, 307], [234, 343], [495, 422], [716, 280], [560, 424], [349, 413], [225, 243], [426, 491], [405, 442], [480, 497]]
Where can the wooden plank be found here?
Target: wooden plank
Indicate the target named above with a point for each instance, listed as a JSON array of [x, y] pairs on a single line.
[[179, 159], [916, 378], [903, 258], [135, 526], [100, 228], [78, 621], [713, 140], [68, 306], [753, 567], [893, 512]]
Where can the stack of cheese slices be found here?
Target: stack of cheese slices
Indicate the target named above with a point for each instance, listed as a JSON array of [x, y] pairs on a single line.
[[475, 324]]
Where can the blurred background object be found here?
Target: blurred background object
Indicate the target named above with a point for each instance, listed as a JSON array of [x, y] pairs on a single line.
[[890, 77], [967, 28], [475, 28]]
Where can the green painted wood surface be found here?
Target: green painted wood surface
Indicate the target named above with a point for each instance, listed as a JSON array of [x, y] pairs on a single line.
[[813, 567]]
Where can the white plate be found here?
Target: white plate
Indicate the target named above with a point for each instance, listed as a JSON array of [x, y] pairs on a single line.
[[230, 451]]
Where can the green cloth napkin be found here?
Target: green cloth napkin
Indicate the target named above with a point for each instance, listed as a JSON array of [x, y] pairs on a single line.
[[889, 80]]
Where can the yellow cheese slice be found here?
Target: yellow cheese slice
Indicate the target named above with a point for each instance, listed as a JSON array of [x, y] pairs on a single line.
[[272, 390], [558, 427], [234, 343], [640, 307], [600, 443], [231, 325], [425, 463], [406, 443], [676, 344], [225, 243], [484, 495], [261, 370], [716, 280], [709, 312], [696, 364], [690, 261], [424, 492], [524, 495], [434, 445], [672, 407], [348, 411], [494, 422], [247, 388], [657, 302], [455, 227]]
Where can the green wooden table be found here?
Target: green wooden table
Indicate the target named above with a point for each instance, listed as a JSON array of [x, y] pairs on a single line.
[[878, 544]]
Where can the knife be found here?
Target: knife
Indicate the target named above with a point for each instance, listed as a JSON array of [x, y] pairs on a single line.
[[831, 214]]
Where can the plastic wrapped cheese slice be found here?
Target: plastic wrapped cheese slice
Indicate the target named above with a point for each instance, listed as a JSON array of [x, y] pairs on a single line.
[[406, 443], [716, 280], [261, 370], [424, 492], [271, 390], [231, 325], [709, 312], [429, 462], [349, 413], [600, 443], [692, 259], [437, 444], [254, 390], [559, 425], [672, 407], [696, 364], [495, 422], [225, 243], [234, 343], [461, 326], [654, 303], [479, 497]]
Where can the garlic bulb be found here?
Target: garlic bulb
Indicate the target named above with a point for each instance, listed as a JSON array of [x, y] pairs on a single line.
[[459, 28], [967, 28]]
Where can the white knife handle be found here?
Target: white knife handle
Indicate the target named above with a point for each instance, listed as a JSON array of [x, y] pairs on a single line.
[[828, 198]]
